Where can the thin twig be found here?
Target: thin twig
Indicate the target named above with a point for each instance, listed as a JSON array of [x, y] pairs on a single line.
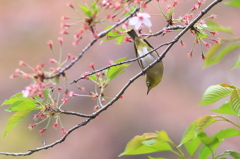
[[120, 63], [100, 35]]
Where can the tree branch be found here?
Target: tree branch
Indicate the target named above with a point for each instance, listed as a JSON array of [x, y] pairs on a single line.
[[134, 59], [104, 107], [100, 35]]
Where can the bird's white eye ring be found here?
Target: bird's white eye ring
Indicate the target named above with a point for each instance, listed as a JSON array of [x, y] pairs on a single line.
[[148, 83]]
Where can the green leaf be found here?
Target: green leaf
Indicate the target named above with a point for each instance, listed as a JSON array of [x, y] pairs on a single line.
[[237, 64], [114, 71], [149, 157], [235, 101], [130, 11], [22, 105], [227, 133], [93, 77], [18, 103], [197, 127], [147, 143], [112, 33], [210, 53], [192, 146], [38, 99], [57, 80], [46, 92], [86, 10], [225, 109], [220, 55], [110, 36], [234, 3], [215, 93], [15, 119], [95, 7], [214, 26], [201, 34], [234, 154], [13, 99], [210, 145], [119, 39], [163, 136], [171, 12]]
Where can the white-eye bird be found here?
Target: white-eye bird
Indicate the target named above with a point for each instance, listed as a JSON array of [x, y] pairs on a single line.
[[153, 74]]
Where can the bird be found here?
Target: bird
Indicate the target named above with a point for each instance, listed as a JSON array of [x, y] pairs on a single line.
[[153, 74]]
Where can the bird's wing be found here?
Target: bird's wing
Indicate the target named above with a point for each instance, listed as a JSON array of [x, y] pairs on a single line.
[[139, 60], [150, 45]]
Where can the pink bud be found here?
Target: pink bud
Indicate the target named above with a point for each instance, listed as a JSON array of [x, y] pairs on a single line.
[[64, 131], [213, 16], [21, 63], [50, 44], [14, 76], [53, 61], [64, 18], [63, 32], [70, 5], [92, 66], [42, 131], [55, 125], [31, 126], [60, 40]]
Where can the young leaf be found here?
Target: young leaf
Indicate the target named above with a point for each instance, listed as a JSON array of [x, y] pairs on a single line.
[[110, 38], [235, 101], [22, 105], [94, 7], [220, 55], [215, 93], [130, 11], [147, 143], [18, 103], [163, 136], [93, 77], [46, 92], [192, 146], [227, 133], [86, 10], [234, 154], [119, 39], [210, 145], [210, 53], [237, 64], [214, 26], [114, 71], [15, 120], [234, 3], [225, 109], [13, 99], [149, 157], [197, 127], [170, 12], [201, 34]]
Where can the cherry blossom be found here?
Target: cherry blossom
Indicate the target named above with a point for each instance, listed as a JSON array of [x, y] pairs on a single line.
[[140, 19]]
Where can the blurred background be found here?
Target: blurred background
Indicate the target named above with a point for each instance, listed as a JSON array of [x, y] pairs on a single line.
[[25, 28]]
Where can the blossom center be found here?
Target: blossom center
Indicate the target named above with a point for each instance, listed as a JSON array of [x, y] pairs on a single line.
[[140, 17]]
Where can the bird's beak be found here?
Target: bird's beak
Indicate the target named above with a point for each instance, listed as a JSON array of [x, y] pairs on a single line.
[[148, 91]]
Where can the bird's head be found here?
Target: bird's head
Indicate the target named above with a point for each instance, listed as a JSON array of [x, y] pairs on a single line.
[[152, 82]]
